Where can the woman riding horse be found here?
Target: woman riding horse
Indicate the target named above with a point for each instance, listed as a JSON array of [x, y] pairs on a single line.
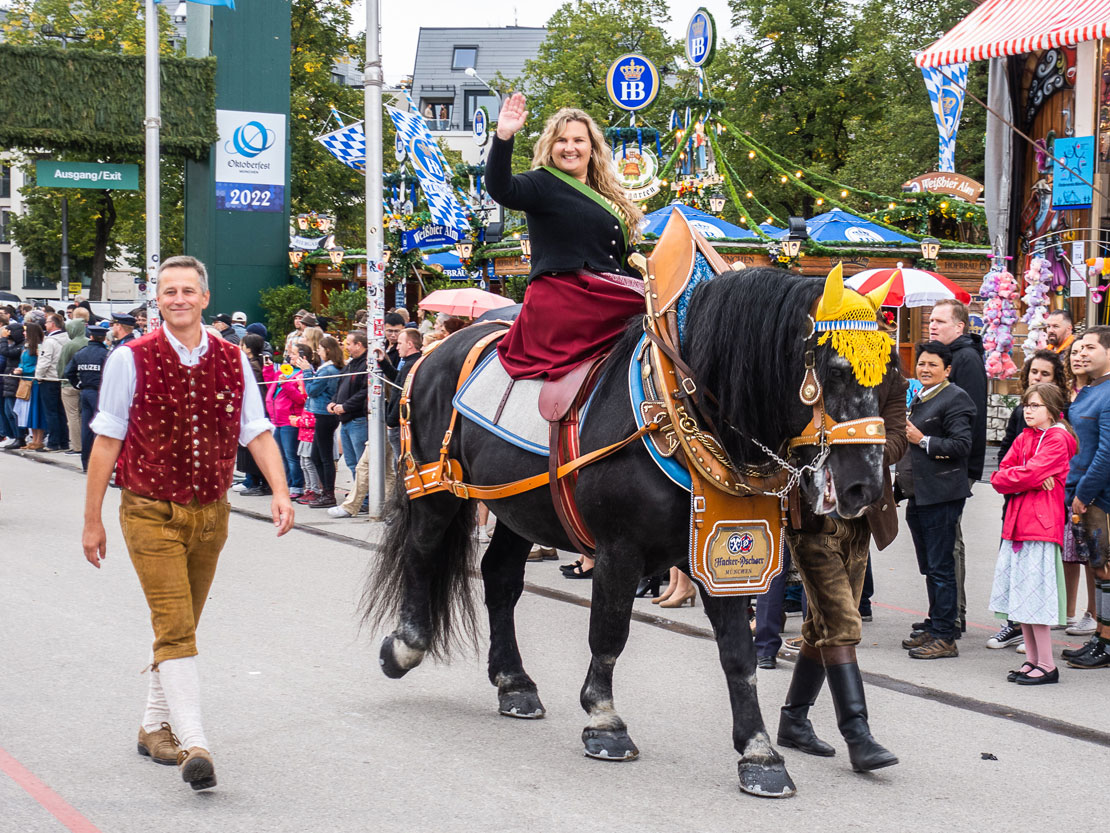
[[580, 291]]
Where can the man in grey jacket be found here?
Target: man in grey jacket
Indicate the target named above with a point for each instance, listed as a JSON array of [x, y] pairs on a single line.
[[50, 383]]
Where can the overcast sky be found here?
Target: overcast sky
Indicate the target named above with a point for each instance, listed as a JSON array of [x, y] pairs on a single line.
[[402, 19]]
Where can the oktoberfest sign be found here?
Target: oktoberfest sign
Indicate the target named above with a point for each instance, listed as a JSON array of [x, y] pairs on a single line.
[[637, 169], [632, 82], [701, 39]]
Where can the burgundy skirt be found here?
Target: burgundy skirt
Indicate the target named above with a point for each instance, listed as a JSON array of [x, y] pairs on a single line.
[[566, 319]]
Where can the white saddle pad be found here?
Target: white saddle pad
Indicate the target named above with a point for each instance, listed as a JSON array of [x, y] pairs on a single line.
[[515, 418]]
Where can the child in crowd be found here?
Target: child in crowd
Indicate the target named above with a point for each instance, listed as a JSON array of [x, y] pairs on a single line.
[[305, 423], [1028, 578]]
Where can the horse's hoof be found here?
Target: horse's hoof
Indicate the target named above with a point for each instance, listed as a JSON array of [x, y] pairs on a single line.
[[388, 660], [523, 704], [766, 780], [609, 745]]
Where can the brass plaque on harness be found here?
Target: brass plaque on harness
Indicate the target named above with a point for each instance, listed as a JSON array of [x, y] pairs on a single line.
[[735, 542]]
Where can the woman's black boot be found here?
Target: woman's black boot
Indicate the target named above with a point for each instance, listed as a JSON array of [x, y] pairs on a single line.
[[846, 687], [795, 730]]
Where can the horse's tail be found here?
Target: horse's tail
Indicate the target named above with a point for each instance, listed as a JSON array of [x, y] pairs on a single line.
[[450, 590]]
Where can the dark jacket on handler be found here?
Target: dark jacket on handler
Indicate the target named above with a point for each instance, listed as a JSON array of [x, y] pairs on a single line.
[[939, 474], [970, 373], [568, 230], [882, 515]]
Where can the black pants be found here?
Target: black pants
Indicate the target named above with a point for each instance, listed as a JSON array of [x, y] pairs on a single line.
[[89, 401], [323, 450], [57, 432]]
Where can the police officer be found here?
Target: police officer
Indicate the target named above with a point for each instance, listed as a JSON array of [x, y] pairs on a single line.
[[123, 329], [83, 372]]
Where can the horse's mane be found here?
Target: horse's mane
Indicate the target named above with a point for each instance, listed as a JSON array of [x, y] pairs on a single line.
[[745, 340]]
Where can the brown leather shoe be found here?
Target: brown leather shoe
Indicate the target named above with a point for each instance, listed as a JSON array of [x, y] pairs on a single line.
[[916, 640], [197, 769], [161, 745], [936, 649]]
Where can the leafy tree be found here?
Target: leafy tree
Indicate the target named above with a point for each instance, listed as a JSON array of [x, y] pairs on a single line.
[[280, 303], [104, 226], [569, 70], [319, 182], [832, 86]]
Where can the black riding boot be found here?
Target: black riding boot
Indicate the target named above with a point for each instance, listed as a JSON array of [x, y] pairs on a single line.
[[795, 730], [846, 686]]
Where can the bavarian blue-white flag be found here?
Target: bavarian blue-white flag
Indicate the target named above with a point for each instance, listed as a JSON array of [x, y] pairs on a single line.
[[229, 3], [431, 168], [348, 145], [946, 86]]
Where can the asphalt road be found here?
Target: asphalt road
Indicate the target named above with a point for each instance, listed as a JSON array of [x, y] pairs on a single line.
[[308, 735]]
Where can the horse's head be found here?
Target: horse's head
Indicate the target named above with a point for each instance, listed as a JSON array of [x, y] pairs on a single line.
[[747, 337], [850, 360]]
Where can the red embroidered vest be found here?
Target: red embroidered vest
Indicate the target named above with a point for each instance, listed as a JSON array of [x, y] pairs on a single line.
[[183, 431]]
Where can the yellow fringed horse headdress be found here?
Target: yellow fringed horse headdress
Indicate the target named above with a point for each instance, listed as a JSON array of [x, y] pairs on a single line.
[[847, 320]]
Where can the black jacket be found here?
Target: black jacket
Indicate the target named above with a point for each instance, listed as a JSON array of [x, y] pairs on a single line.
[[940, 474], [351, 393], [393, 412], [969, 372], [86, 368], [567, 229], [388, 368], [11, 349]]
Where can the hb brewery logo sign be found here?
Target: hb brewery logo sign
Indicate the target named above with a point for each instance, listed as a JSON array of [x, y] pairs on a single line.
[[632, 82], [701, 39]]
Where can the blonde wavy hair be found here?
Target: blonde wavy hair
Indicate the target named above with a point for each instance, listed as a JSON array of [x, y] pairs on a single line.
[[601, 175]]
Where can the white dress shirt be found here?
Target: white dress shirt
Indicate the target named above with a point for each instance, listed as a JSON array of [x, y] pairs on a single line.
[[117, 391]]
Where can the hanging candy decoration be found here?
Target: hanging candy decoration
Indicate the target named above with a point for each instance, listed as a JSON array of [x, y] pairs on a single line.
[[1038, 285], [999, 288]]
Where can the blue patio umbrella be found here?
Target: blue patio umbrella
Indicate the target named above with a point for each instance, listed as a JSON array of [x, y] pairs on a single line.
[[450, 263], [839, 226], [714, 228]]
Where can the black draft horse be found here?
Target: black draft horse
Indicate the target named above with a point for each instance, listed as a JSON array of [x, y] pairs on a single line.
[[745, 338]]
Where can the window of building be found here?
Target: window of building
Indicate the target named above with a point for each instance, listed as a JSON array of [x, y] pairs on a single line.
[[5, 270], [4, 216], [37, 280], [473, 99], [464, 56], [5, 181]]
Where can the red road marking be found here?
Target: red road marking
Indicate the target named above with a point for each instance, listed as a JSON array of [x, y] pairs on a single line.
[[54, 803], [991, 628]]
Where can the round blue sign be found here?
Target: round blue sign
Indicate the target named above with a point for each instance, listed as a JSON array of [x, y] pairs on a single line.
[[424, 158], [481, 126], [399, 149], [701, 38], [632, 82]]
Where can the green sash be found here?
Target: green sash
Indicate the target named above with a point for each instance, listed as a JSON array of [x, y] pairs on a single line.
[[592, 194]]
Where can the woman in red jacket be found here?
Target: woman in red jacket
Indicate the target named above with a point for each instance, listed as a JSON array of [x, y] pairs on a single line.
[[1028, 578]]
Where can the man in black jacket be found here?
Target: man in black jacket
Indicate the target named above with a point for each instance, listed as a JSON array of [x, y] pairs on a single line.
[[949, 324], [350, 400], [84, 372], [933, 475]]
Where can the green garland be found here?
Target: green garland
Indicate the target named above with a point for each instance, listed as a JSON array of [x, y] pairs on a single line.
[[753, 225], [93, 102], [732, 173]]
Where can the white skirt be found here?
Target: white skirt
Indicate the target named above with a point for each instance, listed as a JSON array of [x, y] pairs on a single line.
[[1029, 583]]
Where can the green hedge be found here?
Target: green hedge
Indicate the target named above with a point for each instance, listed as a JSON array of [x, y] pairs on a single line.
[[93, 102]]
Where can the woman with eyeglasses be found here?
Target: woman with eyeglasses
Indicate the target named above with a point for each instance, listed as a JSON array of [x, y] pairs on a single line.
[[1028, 586]]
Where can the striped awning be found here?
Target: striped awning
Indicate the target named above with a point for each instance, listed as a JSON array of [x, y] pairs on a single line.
[[1011, 27]]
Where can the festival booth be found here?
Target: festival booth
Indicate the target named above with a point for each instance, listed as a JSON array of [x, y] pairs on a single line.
[[1048, 144]]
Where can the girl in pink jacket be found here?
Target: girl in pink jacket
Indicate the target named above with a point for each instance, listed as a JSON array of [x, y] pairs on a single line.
[[1028, 578]]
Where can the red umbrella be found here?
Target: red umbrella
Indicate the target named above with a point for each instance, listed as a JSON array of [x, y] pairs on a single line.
[[468, 302], [911, 287]]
